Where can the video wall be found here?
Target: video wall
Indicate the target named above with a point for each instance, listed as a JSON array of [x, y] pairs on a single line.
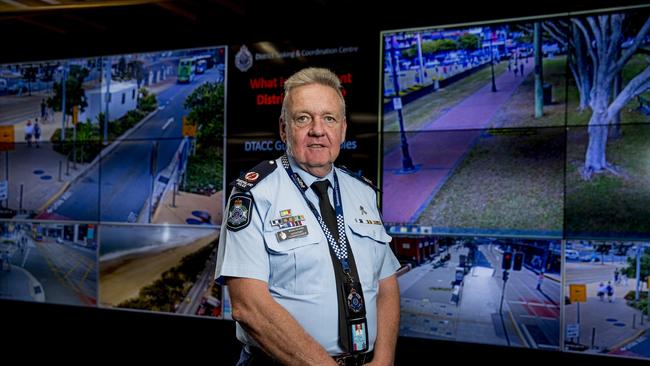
[[513, 159], [111, 192], [515, 180]]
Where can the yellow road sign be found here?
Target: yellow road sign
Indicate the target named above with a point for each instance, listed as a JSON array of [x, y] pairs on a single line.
[[7, 142], [578, 293], [189, 127], [75, 114]]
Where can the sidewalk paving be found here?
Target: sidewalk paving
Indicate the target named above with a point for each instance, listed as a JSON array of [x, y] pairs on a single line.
[[614, 323], [186, 204], [42, 172]]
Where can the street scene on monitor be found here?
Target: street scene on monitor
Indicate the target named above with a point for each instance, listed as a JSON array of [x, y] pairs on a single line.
[[158, 159], [471, 139], [503, 291], [606, 310], [493, 182], [159, 268], [52, 263]]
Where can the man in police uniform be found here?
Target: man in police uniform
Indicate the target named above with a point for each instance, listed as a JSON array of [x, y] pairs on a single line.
[[303, 250]]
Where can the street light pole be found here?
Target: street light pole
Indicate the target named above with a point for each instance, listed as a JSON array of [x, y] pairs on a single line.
[[153, 170], [638, 273], [407, 163], [64, 80], [494, 85], [503, 294], [108, 97]]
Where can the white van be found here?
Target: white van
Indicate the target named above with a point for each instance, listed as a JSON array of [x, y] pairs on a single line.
[[571, 254]]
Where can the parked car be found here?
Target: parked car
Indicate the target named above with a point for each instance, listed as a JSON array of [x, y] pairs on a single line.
[[571, 254]]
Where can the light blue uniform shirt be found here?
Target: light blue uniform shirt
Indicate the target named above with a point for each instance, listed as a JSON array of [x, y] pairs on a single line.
[[299, 271]]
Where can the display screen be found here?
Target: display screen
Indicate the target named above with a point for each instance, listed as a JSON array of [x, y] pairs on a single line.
[[515, 171], [111, 178]]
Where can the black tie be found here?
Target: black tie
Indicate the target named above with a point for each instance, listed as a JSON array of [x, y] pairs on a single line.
[[326, 211], [329, 218]]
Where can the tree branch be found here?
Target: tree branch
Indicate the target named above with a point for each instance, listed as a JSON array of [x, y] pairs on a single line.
[[616, 34], [595, 29], [625, 57], [556, 33], [636, 86], [588, 41]]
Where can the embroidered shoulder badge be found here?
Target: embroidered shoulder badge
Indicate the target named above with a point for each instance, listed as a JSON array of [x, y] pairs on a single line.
[[239, 211], [249, 179]]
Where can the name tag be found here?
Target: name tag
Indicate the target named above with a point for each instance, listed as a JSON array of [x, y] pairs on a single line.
[[294, 232]]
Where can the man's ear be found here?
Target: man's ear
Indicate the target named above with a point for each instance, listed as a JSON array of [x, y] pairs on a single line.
[[283, 130]]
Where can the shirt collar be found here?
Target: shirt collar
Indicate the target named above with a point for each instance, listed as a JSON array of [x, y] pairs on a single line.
[[306, 176]]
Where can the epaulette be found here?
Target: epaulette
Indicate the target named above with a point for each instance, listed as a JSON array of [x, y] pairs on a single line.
[[359, 177], [249, 179]]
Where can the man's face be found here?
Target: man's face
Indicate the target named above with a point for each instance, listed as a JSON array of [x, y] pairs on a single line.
[[316, 127]]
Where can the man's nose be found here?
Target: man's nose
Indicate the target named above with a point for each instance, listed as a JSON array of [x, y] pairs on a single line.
[[317, 127]]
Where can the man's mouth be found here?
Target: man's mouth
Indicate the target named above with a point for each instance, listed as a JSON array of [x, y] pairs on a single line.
[[316, 146]]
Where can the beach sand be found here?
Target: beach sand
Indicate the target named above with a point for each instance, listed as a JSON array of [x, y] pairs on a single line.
[[122, 278]]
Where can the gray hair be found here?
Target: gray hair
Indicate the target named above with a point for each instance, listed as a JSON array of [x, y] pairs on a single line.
[[307, 76]]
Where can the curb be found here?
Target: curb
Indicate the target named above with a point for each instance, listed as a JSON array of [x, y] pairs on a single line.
[[628, 339], [53, 198]]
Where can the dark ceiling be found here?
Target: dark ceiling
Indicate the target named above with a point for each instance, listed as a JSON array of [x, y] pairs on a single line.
[[51, 29]]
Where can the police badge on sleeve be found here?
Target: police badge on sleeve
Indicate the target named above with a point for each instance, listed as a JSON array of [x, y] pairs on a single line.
[[239, 211]]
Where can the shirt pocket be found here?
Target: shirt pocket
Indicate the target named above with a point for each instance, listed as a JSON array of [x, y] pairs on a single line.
[[368, 243], [297, 265]]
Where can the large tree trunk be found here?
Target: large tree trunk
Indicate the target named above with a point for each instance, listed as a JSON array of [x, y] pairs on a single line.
[[615, 131], [581, 70], [595, 157]]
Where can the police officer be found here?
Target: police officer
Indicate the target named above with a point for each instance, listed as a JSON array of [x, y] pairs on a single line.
[[303, 250]]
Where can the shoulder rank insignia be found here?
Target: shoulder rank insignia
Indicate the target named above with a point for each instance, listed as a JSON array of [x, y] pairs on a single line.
[[249, 179], [358, 176], [239, 211]]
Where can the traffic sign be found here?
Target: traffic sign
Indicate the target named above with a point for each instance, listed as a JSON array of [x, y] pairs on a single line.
[[3, 189], [573, 330], [189, 127], [578, 293], [7, 142]]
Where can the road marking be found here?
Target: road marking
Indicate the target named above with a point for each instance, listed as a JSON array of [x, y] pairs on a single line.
[[168, 122]]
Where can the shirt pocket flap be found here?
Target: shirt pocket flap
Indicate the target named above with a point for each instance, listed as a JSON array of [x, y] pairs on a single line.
[[280, 241], [375, 232]]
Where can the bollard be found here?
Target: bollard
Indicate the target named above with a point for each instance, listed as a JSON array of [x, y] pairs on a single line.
[[20, 200], [60, 169], [174, 195], [67, 167], [593, 337], [633, 321]]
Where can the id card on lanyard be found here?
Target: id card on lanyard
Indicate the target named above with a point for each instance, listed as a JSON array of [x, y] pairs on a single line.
[[355, 309]]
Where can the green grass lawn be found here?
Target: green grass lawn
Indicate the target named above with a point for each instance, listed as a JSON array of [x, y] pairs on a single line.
[[607, 204], [508, 181], [519, 111], [433, 105]]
